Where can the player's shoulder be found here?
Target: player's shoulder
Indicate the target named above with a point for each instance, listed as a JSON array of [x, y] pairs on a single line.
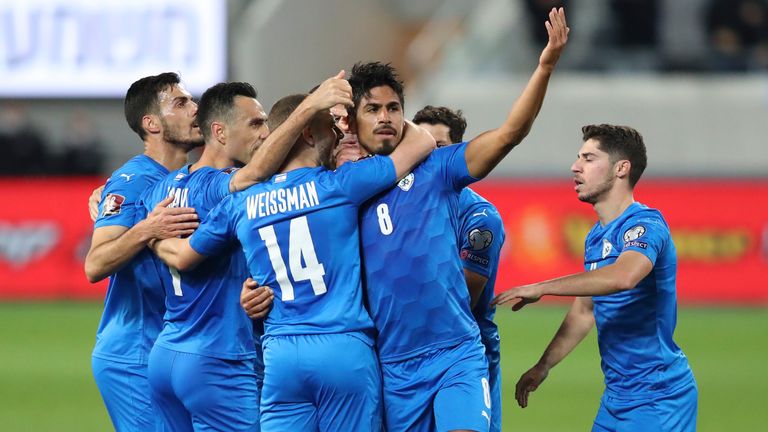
[[473, 206], [640, 213], [138, 172], [642, 221], [441, 155]]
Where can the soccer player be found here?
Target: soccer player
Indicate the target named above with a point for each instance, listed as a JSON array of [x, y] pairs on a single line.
[[299, 232], [481, 236], [161, 111], [206, 333], [435, 375], [628, 290]]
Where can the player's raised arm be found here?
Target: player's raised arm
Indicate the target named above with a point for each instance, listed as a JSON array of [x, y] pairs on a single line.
[[416, 145], [113, 246], [269, 157], [487, 150], [575, 327]]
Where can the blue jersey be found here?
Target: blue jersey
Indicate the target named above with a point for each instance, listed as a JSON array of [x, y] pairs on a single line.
[[300, 235], [134, 307], [203, 313], [635, 327], [481, 233], [414, 280]]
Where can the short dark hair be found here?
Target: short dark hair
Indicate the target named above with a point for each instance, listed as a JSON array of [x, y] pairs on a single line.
[[367, 76], [455, 120], [217, 103], [620, 142], [283, 108], [142, 98]]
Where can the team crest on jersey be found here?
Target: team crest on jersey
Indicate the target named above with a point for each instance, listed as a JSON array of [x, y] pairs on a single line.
[[112, 205], [634, 233], [179, 176], [479, 240], [280, 178], [406, 183], [607, 248]]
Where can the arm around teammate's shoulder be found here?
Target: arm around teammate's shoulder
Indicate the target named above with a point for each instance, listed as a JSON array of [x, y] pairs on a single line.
[[114, 246], [416, 145]]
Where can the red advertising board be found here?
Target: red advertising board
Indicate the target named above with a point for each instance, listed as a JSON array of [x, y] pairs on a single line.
[[720, 228], [45, 232]]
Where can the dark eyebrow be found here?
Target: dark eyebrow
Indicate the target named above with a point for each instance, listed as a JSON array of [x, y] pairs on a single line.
[[180, 98], [585, 154], [258, 121]]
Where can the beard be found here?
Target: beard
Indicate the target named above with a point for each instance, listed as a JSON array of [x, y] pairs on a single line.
[[173, 136], [601, 189]]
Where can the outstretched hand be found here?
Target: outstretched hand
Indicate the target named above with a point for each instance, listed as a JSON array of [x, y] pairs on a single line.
[[518, 297], [333, 91], [528, 382], [557, 29]]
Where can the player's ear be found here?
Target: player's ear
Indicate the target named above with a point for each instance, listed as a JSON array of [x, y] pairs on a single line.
[[151, 123], [622, 168], [306, 135], [346, 124], [219, 132]]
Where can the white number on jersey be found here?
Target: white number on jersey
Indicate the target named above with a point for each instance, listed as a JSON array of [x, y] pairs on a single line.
[[300, 249], [176, 279], [385, 222]]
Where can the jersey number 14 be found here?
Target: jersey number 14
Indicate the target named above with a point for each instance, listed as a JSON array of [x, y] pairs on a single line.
[[300, 246]]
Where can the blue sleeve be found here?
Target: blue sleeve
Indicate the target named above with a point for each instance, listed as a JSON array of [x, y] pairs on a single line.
[[646, 234], [366, 178], [120, 201], [217, 231], [453, 166], [482, 237]]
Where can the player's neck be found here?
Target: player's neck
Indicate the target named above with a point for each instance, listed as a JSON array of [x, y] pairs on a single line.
[[298, 162], [168, 155], [213, 157], [613, 205]]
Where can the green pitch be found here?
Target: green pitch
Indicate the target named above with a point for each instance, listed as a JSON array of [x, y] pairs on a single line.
[[46, 383]]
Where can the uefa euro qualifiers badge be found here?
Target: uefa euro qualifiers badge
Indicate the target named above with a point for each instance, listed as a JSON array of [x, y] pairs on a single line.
[[479, 240], [631, 236], [406, 183]]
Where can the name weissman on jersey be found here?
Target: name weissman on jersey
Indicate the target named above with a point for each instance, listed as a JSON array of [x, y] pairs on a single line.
[[283, 200]]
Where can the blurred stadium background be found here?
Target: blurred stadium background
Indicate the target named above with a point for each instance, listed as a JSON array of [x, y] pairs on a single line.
[[689, 74]]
